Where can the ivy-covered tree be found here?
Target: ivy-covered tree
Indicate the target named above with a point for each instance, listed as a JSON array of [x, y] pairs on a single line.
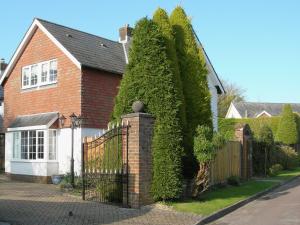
[[193, 75], [149, 77], [206, 143], [287, 132]]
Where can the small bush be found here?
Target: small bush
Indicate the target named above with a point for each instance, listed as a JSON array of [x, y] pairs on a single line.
[[286, 156], [233, 180], [65, 184], [275, 169]]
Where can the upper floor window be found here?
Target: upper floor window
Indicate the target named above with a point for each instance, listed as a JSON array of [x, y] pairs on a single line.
[[40, 74]]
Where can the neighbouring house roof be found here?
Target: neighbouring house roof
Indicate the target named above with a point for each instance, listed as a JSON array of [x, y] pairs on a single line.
[[254, 109], [36, 120]]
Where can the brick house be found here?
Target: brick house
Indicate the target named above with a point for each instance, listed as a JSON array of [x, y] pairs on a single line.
[[58, 71]]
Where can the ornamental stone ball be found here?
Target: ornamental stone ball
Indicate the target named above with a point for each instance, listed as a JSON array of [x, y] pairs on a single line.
[[138, 106]]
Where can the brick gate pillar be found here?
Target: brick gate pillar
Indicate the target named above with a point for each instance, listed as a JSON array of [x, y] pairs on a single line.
[[139, 159]]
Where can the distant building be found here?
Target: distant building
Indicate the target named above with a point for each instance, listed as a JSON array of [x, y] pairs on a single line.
[[240, 110]]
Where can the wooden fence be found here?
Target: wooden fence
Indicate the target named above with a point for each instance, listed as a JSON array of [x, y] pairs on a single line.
[[227, 163]]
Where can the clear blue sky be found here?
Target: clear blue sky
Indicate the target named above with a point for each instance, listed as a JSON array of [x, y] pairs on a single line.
[[255, 44]]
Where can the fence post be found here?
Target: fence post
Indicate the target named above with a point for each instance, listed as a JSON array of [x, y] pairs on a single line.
[[83, 168], [244, 136], [139, 157]]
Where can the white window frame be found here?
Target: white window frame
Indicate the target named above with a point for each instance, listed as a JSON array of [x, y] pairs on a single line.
[[39, 74], [48, 144], [17, 154]]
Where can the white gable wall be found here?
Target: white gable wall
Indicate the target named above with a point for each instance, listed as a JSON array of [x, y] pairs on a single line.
[[232, 112], [213, 101]]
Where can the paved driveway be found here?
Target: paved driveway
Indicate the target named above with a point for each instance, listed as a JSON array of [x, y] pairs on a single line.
[[28, 203], [280, 207]]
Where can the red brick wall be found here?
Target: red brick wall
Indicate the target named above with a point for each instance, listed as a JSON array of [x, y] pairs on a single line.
[[99, 89], [65, 97]]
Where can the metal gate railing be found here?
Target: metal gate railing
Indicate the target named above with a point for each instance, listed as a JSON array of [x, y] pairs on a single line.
[[104, 166]]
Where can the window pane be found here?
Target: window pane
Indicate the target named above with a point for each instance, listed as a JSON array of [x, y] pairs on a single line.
[[52, 144], [53, 71], [16, 148], [44, 75], [32, 144], [24, 145], [25, 77], [34, 75], [40, 144]]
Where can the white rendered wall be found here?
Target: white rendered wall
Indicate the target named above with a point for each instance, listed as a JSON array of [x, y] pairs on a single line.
[[8, 151], [2, 108], [64, 147], [213, 101]]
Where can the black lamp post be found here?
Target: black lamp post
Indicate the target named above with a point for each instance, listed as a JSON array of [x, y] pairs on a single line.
[[75, 123]]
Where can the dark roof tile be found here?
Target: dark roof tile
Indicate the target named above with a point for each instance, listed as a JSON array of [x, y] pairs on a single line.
[[90, 50], [253, 109]]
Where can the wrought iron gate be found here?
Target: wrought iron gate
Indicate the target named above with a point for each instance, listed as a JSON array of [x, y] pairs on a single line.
[[104, 166]]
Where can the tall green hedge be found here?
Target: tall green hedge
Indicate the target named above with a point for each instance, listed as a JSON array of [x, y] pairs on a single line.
[[162, 19], [227, 126], [149, 77], [194, 81], [287, 132]]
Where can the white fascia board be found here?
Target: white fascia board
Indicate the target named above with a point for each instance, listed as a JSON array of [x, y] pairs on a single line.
[[41, 127], [58, 44], [264, 112], [19, 51], [36, 24]]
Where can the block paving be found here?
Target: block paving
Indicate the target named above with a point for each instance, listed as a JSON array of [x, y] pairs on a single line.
[[44, 204]]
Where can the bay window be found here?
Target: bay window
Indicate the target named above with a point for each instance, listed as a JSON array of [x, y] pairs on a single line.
[[34, 145], [39, 74]]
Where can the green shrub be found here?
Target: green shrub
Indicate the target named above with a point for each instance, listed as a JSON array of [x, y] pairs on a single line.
[[287, 132], [262, 149], [109, 190], [149, 77], [234, 181], [285, 156], [275, 169], [193, 75], [66, 182]]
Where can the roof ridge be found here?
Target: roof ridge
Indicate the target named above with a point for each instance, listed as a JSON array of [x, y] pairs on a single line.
[[268, 102], [39, 19]]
